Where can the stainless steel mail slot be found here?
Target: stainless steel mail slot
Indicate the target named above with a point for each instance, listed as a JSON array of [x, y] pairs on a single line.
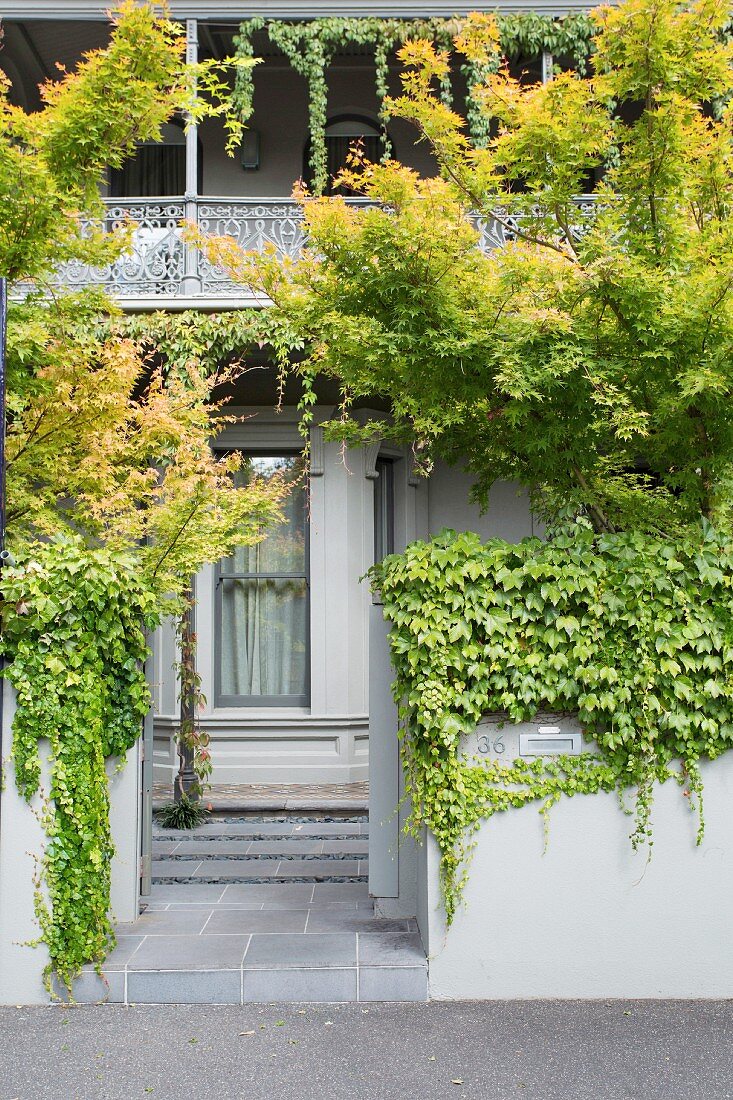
[[550, 741]]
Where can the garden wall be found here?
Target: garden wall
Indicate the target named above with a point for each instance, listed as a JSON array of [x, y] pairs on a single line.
[[589, 917], [22, 839]]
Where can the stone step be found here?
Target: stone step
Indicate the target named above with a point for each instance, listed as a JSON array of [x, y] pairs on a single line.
[[238, 958], [218, 870], [266, 830], [268, 896], [357, 848], [282, 817]]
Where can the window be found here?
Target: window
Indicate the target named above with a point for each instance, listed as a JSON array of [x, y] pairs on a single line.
[[157, 169], [384, 509], [342, 132], [262, 613]]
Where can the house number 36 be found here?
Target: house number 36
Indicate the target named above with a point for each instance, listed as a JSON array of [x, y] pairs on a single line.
[[485, 745]]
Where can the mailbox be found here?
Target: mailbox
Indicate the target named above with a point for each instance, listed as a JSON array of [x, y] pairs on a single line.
[[550, 740], [547, 734]]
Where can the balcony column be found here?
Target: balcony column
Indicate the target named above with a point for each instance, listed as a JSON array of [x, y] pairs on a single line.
[[191, 275]]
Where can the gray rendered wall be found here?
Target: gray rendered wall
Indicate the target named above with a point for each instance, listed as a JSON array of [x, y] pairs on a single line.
[[589, 917], [21, 837], [508, 515]]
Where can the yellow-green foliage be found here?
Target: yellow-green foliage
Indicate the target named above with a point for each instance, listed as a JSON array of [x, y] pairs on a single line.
[[587, 357]]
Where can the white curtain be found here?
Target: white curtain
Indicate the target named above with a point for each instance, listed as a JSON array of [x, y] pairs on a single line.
[[264, 618]]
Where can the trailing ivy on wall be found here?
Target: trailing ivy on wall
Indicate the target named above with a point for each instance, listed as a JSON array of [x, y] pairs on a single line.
[[311, 45], [633, 634], [74, 624], [192, 337]]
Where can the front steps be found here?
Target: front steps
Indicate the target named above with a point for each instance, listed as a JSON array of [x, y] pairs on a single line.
[[260, 909], [259, 850]]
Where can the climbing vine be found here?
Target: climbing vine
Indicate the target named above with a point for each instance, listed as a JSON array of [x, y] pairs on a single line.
[[311, 45], [631, 633], [74, 623]]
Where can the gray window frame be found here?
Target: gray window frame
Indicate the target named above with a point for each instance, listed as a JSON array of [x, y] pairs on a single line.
[[249, 701]]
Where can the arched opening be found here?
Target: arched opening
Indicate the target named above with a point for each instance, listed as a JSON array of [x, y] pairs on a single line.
[[342, 133]]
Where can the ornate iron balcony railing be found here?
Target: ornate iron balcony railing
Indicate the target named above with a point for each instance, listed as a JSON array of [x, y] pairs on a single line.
[[161, 270]]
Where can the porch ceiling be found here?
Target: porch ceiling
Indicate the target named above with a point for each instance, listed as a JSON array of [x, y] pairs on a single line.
[[284, 9]]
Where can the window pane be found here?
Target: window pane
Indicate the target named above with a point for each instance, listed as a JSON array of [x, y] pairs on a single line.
[[283, 548], [263, 637]]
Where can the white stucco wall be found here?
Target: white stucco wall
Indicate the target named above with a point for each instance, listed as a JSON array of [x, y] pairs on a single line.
[[589, 917], [22, 839], [21, 835]]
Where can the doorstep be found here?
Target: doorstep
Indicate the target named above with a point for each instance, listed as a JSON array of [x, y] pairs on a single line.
[[261, 944]]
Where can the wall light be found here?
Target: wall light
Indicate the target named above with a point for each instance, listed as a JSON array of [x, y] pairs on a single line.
[[249, 150]]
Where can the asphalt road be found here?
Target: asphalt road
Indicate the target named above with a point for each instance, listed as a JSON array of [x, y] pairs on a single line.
[[536, 1050]]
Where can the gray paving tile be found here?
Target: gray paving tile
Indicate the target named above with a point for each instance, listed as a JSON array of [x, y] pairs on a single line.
[[289, 847], [355, 920], [227, 829], [243, 921], [327, 828], [189, 892], [164, 847], [390, 949], [359, 846], [228, 869], [347, 906], [276, 952], [325, 986], [341, 891], [324, 868], [290, 895], [89, 988], [174, 868], [190, 953], [219, 907], [218, 987], [126, 947], [400, 983], [181, 922], [207, 849]]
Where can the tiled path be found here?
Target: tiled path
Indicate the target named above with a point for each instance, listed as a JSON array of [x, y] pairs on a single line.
[[264, 911]]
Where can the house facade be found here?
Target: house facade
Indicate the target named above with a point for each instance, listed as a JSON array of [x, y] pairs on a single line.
[[292, 650]]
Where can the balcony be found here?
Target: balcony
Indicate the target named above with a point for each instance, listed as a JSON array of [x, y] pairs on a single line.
[[162, 271]]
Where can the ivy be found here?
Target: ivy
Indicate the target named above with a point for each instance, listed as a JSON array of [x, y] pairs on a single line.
[[311, 45], [74, 624], [631, 633]]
